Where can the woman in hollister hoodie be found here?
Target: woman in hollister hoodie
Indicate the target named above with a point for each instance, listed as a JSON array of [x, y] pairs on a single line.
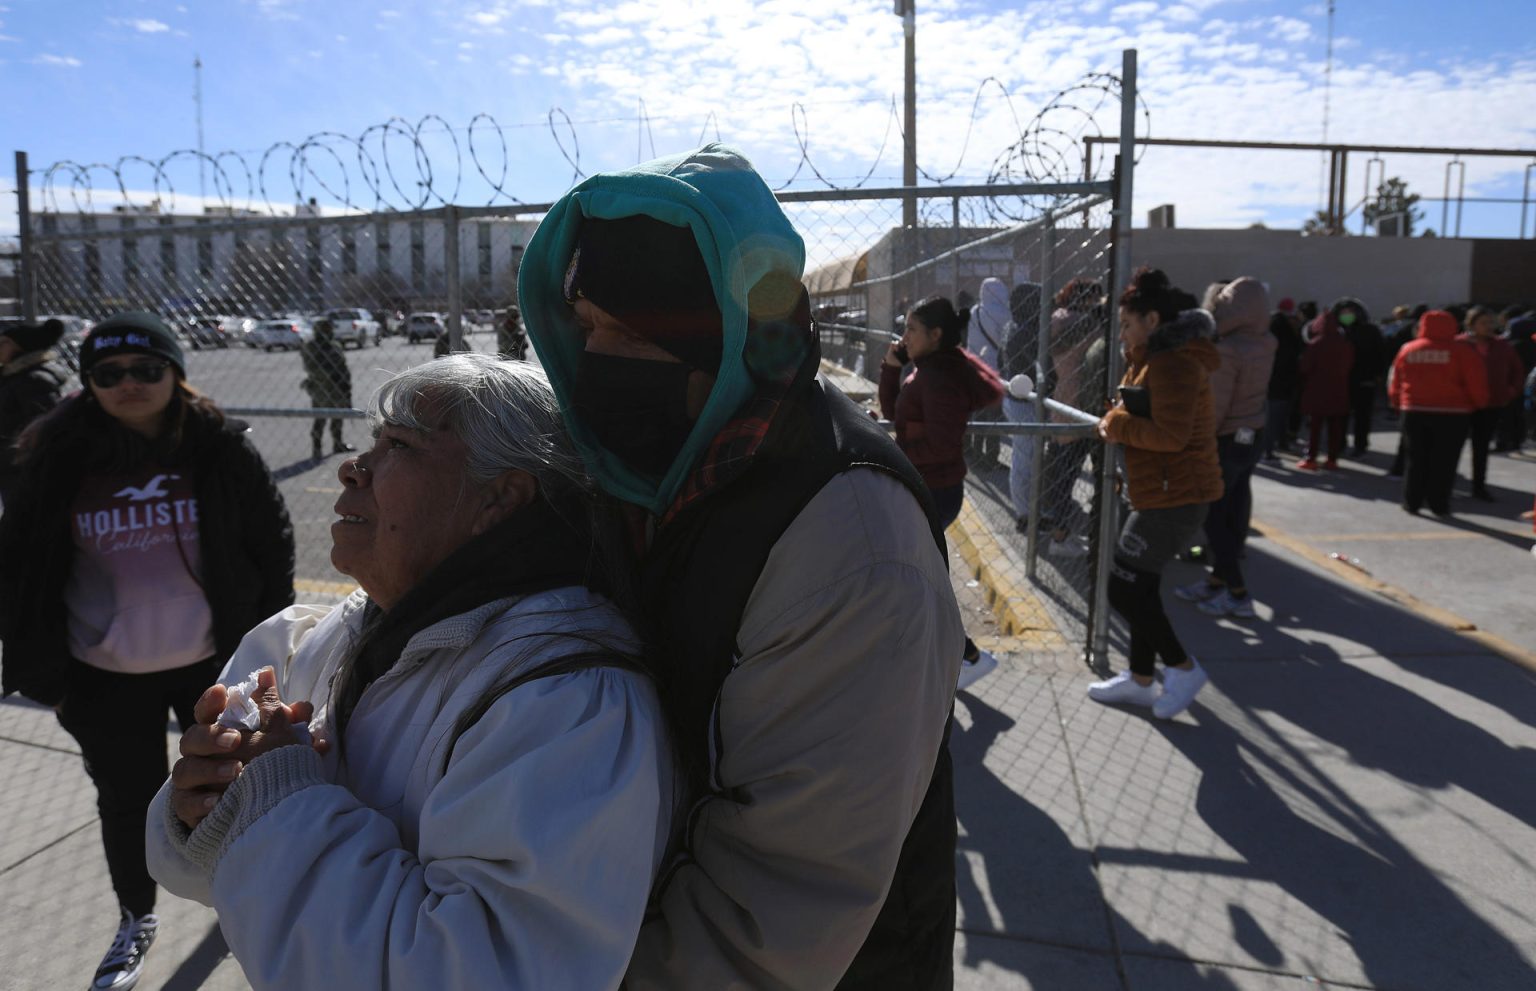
[[930, 409], [146, 537], [1436, 381]]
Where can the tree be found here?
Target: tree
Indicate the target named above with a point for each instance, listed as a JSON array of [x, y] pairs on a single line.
[[1322, 225], [1394, 211]]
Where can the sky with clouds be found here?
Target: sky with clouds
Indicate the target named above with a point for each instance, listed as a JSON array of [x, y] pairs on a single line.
[[580, 86]]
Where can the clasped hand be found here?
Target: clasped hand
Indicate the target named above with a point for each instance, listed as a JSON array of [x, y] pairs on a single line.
[[212, 756]]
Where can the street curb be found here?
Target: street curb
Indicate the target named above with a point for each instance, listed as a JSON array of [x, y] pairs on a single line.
[[1434, 614], [1019, 612]]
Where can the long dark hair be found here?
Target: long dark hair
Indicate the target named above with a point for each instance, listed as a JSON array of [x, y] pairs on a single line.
[[938, 311], [1150, 291]]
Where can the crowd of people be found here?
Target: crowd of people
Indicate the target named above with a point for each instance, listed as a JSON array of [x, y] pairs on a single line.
[[648, 680], [1198, 422]]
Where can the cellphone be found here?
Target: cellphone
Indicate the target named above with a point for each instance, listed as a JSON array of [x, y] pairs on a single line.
[[1136, 400], [901, 349]]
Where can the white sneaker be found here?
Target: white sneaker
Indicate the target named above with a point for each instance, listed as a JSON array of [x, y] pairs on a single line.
[[124, 962], [1124, 690], [972, 671], [1224, 603], [1198, 591], [1179, 689]]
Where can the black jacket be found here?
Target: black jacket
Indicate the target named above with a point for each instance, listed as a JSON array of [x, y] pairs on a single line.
[[1285, 375], [243, 528], [31, 384]]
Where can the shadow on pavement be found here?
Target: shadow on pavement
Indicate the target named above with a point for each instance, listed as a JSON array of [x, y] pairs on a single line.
[[1407, 927], [199, 964], [1043, 888]]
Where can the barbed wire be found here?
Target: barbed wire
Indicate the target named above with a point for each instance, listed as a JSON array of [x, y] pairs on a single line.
[[401, 165]]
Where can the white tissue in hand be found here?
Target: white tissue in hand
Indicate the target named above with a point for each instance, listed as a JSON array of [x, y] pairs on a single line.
[[242, 712], [1020, 386]]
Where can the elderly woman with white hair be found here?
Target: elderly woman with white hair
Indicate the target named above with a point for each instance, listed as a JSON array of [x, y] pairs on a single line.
[[483, 794]]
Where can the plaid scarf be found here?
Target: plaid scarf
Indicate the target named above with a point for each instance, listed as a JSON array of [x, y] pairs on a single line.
[[784, 356]]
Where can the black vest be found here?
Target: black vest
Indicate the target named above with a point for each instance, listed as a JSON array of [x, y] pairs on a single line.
[[697, 578]]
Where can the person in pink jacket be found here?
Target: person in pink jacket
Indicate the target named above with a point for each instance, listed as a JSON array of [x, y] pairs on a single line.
[[1325, 366], [1505, 381], [1436, 381]]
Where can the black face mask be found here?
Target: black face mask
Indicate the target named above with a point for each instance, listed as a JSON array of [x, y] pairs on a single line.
[[636, 408]]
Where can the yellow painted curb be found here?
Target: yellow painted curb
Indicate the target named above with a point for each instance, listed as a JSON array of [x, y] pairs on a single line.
[[1019, 612], [1434, 614]]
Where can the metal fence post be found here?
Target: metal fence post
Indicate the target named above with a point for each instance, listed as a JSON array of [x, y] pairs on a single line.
[[451, 275], [1108, 517], [1042, 351], [27, 279]]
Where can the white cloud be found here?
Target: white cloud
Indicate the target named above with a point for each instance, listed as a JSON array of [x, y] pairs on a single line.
[[1290, 29], [67, 61], [148, 26], [1133, 11]]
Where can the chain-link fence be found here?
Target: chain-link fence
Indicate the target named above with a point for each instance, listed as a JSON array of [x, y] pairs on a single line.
[[244, 292], [1029, 531]]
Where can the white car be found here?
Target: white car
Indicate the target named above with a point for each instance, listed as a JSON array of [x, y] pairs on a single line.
[[289, 335], [424, 327], [354, 327]]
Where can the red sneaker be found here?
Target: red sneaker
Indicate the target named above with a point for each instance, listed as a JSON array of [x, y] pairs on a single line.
[[1332, 464], [1307, 464]]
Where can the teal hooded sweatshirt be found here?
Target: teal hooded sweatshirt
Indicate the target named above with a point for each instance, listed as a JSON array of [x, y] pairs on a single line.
[[745, 239]]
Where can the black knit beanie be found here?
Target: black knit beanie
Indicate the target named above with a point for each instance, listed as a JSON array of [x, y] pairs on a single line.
[[134, 332], [33, 336], [651, 276]]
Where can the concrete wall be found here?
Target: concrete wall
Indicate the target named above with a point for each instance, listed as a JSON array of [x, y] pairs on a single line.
[[1381, 272]]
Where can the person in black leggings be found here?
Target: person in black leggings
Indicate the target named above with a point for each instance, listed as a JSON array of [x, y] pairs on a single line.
[[1167, 424]]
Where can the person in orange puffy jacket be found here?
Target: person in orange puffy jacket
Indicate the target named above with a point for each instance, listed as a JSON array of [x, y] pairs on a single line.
[[1436, 381]]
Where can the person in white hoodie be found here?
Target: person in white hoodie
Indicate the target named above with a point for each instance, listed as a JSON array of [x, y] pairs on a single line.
[[486, 798], [1239, 395], [985, 338]]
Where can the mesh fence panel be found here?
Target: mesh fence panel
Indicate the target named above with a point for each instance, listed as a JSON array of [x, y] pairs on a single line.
[[1028, 532], [244, 291]]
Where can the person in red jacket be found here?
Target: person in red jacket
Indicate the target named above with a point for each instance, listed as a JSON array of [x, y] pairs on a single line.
[[1437, 381], [930, 409], [1505, 382], [1325, 366]]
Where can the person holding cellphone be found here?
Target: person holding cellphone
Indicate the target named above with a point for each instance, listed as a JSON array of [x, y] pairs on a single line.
[[1166, 422]]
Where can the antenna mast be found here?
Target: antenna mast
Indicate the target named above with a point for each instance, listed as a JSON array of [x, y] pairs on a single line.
[[197, 101], [1327, 85]]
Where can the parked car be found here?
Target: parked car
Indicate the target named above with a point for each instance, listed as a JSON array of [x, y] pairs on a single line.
[[270, 335], [217, 331], [354, 327], [424, 327]]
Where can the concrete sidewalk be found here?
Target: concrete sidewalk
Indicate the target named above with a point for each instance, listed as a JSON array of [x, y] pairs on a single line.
[[1349, 804]]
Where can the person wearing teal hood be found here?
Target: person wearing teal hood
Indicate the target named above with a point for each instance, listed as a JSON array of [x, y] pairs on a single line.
[[795, 582]]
